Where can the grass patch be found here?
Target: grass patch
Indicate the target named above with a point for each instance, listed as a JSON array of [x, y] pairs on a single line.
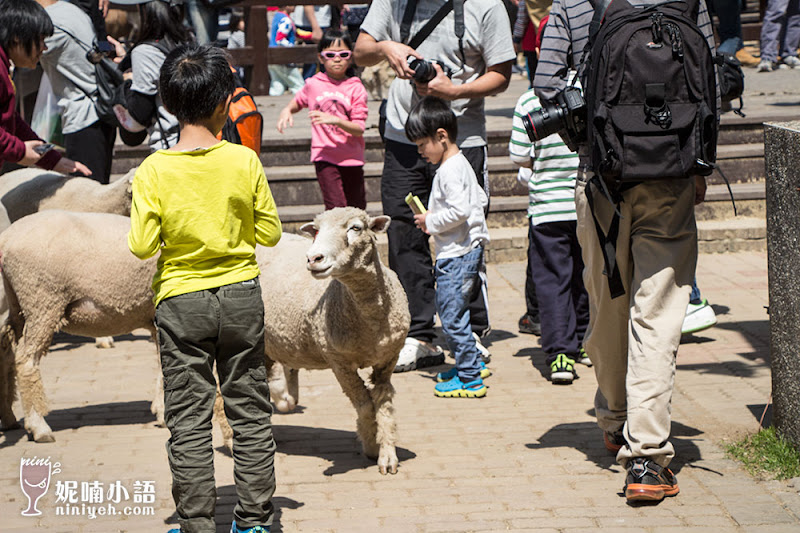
[[767, 455]]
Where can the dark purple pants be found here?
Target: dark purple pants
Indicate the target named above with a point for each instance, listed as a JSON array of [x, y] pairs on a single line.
[[341, 186]]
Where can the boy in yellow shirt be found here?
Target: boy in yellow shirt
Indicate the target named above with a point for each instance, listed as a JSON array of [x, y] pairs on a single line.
[[204, 204]]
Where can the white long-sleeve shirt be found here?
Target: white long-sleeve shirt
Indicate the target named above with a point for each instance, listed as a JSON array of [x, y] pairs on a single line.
[[456, 205]]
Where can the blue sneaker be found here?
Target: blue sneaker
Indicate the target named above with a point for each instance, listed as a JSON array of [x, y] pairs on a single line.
[[453, 372], [255, 529], [456, 389], [174, 531]]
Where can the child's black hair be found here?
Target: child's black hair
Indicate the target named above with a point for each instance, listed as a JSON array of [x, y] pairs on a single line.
[[427, 116], [329, 38], [162, 21], [194, 80], [23, 22], [233, 24]]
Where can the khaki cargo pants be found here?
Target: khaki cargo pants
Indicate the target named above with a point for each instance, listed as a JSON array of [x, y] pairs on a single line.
[[223, 325], [633, 339]]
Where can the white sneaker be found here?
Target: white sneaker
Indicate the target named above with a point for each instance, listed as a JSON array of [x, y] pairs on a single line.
[[485, 355], [791, 62], [765, 65], [416, 354], [698, 317]]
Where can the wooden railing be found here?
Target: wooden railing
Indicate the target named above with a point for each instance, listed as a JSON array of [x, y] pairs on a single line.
[[257, 54]]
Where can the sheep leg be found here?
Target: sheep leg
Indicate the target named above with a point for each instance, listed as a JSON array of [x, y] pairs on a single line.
[[7, 381], [356, 391], [282, 385], [32, 346], [382, 394], [104, 342]]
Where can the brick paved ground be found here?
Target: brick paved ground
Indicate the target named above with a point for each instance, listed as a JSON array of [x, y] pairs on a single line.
[[528, 457]]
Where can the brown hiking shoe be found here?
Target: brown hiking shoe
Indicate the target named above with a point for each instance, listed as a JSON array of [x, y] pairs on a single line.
[[648, 481], [746, 58]]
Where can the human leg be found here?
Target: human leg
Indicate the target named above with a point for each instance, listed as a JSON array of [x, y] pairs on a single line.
[[479, 305], [580, 299], [606, 336], [771, 26], [243, 383], [93, 146], [277, 83], [663, 245], [791, 39], [203, 19], [330, 182], [409, 251], [186, 326], [530, 321], [730, 25], [353, 185]]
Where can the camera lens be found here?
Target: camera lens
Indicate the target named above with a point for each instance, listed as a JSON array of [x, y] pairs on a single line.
[[544, 122], [423, 70]]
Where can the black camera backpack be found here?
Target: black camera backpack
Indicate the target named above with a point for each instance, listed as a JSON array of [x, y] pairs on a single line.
[[651, 94], [650, 87]]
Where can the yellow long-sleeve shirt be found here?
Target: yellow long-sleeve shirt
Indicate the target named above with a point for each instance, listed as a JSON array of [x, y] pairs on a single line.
[[205, 210]]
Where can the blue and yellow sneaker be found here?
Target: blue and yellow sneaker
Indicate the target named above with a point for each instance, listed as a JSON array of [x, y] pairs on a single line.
[[453, 372], [456, 389], [255, 529]]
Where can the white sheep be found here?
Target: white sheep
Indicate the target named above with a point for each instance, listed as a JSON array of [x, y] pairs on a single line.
[[351, 312], [72, 272], [29, 190]]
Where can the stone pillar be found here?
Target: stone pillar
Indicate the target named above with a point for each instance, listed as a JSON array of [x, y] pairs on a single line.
[[782, 158]]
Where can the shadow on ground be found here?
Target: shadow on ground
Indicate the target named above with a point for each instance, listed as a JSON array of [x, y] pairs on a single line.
[[64, 341], [587, 438], [226, 501]]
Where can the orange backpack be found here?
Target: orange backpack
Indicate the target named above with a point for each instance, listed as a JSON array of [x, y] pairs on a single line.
[[245, 124]]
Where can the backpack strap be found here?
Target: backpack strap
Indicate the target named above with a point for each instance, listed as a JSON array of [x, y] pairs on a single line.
[[608, 242], [457, 6], [600, 8]]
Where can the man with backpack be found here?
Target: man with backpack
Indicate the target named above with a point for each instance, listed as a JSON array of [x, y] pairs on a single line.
[[652, 117]]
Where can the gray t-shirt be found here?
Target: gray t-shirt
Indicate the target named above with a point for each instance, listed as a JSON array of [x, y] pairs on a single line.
[[322, 13], [70, 73], [487, 42], [146, 61]]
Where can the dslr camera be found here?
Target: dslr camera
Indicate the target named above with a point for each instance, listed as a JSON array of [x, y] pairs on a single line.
[[99, 51], [565, 116], [423, 69]]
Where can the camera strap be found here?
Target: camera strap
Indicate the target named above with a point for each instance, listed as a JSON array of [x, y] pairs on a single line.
[[457, 6]]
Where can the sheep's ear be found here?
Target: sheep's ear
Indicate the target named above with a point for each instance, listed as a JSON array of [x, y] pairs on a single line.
[[309, 229], [380, 223]]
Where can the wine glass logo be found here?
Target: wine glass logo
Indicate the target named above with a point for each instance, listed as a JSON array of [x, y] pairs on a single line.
[[34, 478]]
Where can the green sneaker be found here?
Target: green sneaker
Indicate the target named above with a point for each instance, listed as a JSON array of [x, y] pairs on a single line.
[[562, 370], [583, 357]]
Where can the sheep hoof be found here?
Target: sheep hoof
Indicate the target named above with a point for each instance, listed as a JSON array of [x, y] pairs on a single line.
[[104, 342], [387, 463], [285, 404], [45, 438]]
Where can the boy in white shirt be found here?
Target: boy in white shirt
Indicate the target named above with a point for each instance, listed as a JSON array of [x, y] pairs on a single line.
[[455, 219]]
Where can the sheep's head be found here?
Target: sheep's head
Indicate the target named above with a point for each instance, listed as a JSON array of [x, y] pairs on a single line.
[[344, 240]]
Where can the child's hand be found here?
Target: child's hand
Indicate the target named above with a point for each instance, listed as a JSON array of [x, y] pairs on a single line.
[[419, 221], [321, 117], [284, 120]]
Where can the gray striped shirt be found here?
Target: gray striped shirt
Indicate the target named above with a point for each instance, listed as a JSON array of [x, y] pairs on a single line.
[[567, 32]]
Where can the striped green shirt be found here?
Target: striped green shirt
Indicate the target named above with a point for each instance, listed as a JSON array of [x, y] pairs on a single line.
[[551, 178]]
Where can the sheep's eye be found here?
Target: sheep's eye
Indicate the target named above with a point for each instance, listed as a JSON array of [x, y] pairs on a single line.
[[355, 228]]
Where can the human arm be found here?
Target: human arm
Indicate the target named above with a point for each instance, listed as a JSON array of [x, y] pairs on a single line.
[[356, 119], [494, 81], [316, 31], [348, 126], [520, 146], [144, 238], [369, 51], [419, 221], [456, 190], [520, 24], [265, 213], [285, 119], [552, 68]]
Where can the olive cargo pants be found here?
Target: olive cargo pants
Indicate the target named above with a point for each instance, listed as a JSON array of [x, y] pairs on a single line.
[[223, 325]]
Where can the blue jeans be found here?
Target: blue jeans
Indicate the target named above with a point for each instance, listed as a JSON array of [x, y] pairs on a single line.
[[730, 25], [695, 296], [780, 29], [456, 281]]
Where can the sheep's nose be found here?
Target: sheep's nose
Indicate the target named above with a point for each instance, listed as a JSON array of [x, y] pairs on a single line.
[[315, 258]]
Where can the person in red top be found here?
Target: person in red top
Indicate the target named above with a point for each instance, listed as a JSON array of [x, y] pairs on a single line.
[[24, 24], [337, 103]]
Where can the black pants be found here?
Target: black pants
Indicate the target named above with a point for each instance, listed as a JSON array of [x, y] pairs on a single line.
[[404, 171], [93, 146], [558, 275], [531, 301]]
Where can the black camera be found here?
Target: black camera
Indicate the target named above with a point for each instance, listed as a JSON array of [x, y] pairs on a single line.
[[565, 116], [424, 71]]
